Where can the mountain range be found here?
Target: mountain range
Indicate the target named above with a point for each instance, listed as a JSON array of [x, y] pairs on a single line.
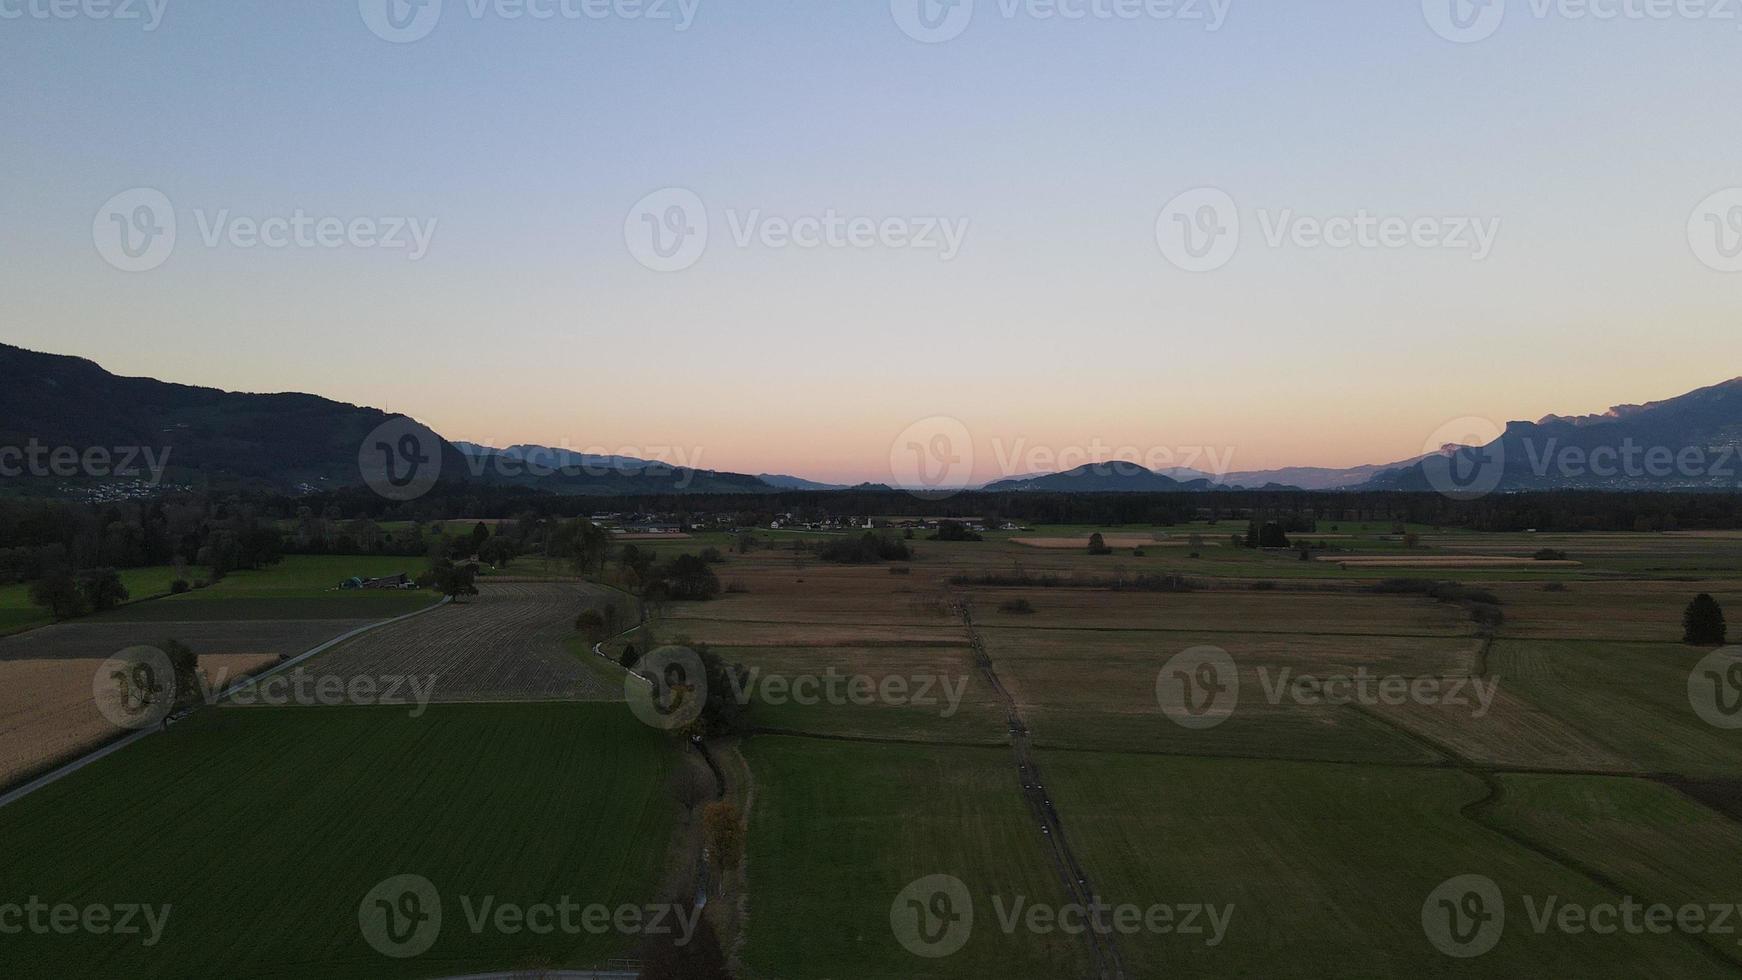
[[299, 443]]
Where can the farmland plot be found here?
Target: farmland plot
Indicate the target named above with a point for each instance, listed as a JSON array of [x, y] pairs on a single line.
[[1326, 868], [262, 831], [46, 675], [510, 643]]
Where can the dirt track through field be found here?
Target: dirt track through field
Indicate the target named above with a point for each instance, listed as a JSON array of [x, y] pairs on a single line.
[[512, 642], [1102, 948]]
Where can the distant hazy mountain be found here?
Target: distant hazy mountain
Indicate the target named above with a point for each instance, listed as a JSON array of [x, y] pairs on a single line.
[[1689, 442], [797, 483], [1303, 477]]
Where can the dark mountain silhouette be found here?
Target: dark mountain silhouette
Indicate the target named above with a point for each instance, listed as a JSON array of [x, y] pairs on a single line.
[[295, 443], [1691, 442], [285, 442], [1110, 477]]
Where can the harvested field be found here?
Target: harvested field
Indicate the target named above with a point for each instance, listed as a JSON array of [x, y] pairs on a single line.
[[1512, 732], [942, 696], [1234, 611], [1606, 610], [96, 639], [1110, 540], [47, 714], [1631, 698], [818, 634], [1447, 561], [46, 711], [510, 643]]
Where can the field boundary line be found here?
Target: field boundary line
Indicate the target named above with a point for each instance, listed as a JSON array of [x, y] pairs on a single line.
[[1003, 743], [1476, 812], [297, 660], [56, 775]]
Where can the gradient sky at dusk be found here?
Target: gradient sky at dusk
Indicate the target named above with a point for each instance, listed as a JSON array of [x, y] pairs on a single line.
[[1060, 324]]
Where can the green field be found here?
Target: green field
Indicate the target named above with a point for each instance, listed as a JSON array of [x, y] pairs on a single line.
[[265, 828], [1645, 837], [18, 612], [1327, 868], [1324, 827], [299, 587], [840, 828]]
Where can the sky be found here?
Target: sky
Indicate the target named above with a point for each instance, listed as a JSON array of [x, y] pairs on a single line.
[[849, 239]]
